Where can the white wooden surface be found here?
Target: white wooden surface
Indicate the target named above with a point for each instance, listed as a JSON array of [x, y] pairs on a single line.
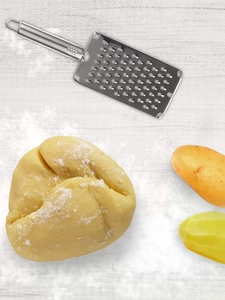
[[39, 99]]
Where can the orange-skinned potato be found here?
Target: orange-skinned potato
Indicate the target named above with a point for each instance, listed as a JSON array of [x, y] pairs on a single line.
[[203, 169]]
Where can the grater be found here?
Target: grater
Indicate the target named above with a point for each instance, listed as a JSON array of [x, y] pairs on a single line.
[[113, 68]]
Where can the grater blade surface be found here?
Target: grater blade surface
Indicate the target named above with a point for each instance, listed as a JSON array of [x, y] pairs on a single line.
[[128, 75]]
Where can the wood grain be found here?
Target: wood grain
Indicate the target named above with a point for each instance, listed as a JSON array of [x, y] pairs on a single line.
[[39, 99]]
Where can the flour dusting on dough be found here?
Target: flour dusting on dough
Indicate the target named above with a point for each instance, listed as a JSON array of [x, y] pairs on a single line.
[[98, 183]]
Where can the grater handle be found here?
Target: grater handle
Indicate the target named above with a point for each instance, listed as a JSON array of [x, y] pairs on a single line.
[[46, 39]]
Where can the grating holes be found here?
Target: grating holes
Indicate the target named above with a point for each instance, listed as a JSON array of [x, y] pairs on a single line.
[[94, 68], [137, 88], [154, 69], [157, 81], [108, 55], [117, 75], [117, 94], [105, 81], [140, 81], [140, 62], [103, 49], [99, 75], [110, 87], [96, 81], [91, 74], [142, 94], [126, 55], [125, 94], [97, 62], [151, 94], [105, 42], [168, 75], [134, 55], [123, 81], [145, 88], [154, 88], [134, 94], [114, 62], [160, 95], [114, 81], [148, 100], [100, 55], [146, 69], [123, 62], [108, 74], [120, 69], [102, 68], [157, 100], [125, 75], [112, 49], [163, 88], [148, 81], [160, 75], [105, 62], [120, 49], [102, 87], [134, 75], [128, 87], [119, 87], [139, 100], [153, 106], [111, 68], [131, 81], [131, 62], [145, 106], [143, 75], [163, 69], [151, 75], [88, 80], [149, 63], [117, 55], [128, 68], [131, 100], [137, 69]]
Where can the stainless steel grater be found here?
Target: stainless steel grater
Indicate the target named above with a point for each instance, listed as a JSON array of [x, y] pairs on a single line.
[[113, 68]]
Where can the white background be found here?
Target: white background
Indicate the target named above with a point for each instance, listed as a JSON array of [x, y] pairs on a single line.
[[39, 99]]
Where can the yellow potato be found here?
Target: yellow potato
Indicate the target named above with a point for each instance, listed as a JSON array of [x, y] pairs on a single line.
[[203, 169]]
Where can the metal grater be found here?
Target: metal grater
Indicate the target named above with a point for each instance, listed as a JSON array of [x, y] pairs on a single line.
[[113, 68]]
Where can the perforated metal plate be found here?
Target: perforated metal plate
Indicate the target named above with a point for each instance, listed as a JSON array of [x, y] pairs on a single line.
[[128, 75]]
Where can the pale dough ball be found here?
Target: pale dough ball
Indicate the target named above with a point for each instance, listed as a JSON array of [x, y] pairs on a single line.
[[67, 198]]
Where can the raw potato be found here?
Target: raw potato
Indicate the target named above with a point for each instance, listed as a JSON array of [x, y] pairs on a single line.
[[204, 234], [203, 169], [67, 198]]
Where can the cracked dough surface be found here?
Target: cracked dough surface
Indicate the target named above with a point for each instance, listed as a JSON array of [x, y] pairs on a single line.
[[67, 199]]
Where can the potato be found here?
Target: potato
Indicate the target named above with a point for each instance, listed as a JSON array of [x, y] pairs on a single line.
[[204, 234], [203, 169]]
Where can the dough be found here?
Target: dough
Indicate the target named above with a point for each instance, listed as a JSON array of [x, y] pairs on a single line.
[[67, 199]]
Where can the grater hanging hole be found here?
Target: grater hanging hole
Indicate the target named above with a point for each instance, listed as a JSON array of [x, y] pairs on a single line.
[[179, 73], [96, 35], [77, 77], [159, 115], [169, 95]]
